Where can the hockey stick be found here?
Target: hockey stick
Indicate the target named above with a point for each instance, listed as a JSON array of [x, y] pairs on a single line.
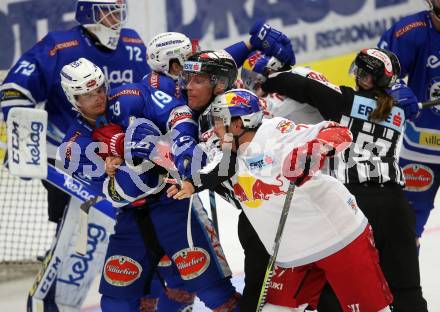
[[213, 205], [277, 243], [83, 227], [428, 104]]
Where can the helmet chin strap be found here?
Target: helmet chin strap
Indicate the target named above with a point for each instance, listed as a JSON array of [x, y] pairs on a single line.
[[435, 10], [236, 137]]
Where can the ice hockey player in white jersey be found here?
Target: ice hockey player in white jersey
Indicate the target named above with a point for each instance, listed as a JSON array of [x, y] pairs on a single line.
[[273, 153]]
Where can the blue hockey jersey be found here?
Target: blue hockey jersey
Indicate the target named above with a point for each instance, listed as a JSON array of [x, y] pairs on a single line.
[[417, 44], [82, 161], [36, 75], [159, 100]]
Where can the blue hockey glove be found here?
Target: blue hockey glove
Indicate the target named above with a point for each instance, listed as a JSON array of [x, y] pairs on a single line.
[[406, 99], [141, 139], [272, 42]]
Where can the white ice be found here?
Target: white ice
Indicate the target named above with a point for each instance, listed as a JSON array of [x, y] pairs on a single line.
[[13, 294]]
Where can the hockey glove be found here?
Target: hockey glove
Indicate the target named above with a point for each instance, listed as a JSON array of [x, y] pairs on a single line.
[[186, 154], [112, 136], [336, 137], [144, 136], [303, 162], [405, 99], [272, 42]]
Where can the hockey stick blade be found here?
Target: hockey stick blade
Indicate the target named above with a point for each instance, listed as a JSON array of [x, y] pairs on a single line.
[[81, 242], [277, 243]]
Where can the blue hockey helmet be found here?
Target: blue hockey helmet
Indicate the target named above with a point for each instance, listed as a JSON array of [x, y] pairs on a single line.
[[256, 68], [240, 103]]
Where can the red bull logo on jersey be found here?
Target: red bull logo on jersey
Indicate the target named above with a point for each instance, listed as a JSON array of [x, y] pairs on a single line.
[[191, 262], [285, 126], [121, 270], [252, 192], [418, 178]]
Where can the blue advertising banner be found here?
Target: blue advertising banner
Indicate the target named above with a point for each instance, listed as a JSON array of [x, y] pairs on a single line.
[[318, 28]]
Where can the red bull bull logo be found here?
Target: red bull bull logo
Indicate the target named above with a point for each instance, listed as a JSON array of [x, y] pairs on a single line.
[[234, 99], [252, 60], [251, 191], [285, 126]]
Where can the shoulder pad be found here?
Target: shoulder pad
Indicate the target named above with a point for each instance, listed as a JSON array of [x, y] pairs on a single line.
[[180, 115], [413, 23], [315, 75], [130, 36], [163, 83], [60, 40], [126, 90]]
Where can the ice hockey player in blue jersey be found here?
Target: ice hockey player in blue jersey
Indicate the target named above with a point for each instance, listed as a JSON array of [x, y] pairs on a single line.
[[164, 57], [35, 80], [415, 39], [86, 88], [199, 258]]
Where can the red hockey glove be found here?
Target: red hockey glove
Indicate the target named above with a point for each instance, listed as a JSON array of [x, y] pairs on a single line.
[[303, 162], [113, 136], [335, 136]]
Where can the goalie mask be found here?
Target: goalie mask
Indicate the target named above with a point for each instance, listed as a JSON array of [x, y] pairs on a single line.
[[103, 18], [381, 64], [81, 77], [165, 47]]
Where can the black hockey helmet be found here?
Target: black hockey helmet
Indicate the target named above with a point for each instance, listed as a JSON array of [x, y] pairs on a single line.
[[383, 65], [218, 65]]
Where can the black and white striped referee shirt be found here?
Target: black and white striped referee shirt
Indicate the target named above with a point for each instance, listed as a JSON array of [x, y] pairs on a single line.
[[372, 156]]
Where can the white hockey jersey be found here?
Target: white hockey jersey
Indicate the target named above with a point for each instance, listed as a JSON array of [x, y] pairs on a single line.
[[324, 216], [281, 106]]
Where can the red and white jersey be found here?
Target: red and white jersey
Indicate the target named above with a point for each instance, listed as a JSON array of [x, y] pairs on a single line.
[[278, 105], [324, 216]]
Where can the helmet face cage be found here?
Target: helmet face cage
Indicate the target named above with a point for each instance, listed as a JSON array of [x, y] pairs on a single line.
[[434, 7], [256, 68], [103, 18], [112, 12], [382, 65], [95, 12], [252, 80], [165, 47], [219, 66]]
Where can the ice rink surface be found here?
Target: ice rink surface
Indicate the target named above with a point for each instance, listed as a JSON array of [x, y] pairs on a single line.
[[13, 294]]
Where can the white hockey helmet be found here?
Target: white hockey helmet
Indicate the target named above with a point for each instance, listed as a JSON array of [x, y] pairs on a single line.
[[80, 77], [103, 18], [167, 46]]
